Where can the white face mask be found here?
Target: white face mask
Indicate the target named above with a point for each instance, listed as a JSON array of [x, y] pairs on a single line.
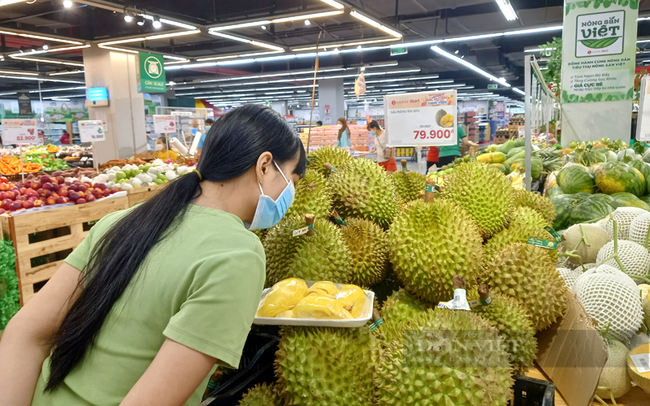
[[159, 147], [339, 126]]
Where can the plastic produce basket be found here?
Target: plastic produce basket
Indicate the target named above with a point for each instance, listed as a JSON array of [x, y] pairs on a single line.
[[256, 366], [533, 392]]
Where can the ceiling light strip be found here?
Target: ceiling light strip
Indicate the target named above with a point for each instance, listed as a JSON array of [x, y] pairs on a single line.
[[467, 64], [42, 37], [47, 60], [375, 24], [246, 40]]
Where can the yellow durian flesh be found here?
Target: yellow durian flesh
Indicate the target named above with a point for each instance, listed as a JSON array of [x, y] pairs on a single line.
[[283, 296], [285, 315], [323, 288], [353, 299], [320, 307], [447, 120]]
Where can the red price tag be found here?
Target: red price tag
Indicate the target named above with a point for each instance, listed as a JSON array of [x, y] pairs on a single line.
[[433, 134]]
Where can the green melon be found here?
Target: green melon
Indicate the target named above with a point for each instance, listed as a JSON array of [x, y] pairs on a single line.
[[576, 179]]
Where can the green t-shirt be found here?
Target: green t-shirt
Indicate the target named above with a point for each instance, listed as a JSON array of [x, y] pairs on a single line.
[[200, 286], [453, 150]]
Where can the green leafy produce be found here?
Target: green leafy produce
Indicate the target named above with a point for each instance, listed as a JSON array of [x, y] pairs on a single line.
[[49, 161], [9, 296]]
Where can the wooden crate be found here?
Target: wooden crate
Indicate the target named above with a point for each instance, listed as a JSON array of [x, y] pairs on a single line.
[[58, 230], [141, 194]]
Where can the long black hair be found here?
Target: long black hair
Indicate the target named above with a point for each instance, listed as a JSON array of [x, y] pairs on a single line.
[[232, 147]]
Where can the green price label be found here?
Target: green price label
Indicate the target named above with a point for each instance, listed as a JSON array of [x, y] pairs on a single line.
[[429, 188], [374, 326], [542, 243], [554, 233]]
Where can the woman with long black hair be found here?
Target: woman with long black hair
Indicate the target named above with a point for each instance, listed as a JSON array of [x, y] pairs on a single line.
[[157, 295]]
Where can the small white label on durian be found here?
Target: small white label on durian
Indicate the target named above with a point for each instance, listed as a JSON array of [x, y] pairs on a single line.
[[459, 302]]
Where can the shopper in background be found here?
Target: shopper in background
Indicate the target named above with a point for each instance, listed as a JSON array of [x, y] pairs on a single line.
[[208, 125], [385, 156], [450, 152], [65, 138], [163, 152], [432, 157], [319, 123], [344, 134], [157, 295]]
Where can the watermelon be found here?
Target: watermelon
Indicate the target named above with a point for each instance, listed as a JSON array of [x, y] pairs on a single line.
[[564, 205], [515, 151], [576, 179], [642, 167], [520, 142], [645, 199], [554, 191], [624, 199], [589, 210], [603, 198], [501, 167], [506, 146], [614, 177], [536, 166]]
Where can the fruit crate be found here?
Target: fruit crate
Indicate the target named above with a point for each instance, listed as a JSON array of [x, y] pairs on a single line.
[[141, 194], [43, 239]]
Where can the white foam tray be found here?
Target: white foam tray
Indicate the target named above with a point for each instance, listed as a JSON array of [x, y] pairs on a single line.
[[361, 321]]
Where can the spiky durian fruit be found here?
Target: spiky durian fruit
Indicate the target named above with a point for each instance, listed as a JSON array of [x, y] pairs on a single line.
[[512, 321], [320, 366], [432, 242], [527, 216], [368, 245], [400, 308], [337, 157], [484, 192], [312, 196], [543, 205], [408, 184], [262, 395], [321, 257], [440, 358], [362, 188], [527, 273], [517, 232]]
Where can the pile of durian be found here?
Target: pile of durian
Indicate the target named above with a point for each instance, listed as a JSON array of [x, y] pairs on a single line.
[[293, 299], [373, 230]]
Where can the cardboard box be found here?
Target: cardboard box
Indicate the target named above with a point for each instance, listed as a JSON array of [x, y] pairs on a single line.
[[572, 354]]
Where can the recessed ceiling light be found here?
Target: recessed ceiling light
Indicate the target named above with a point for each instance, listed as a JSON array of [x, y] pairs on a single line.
[[156, 22], [307, 22], [128, 17], [46, 47], [67, 3], [263, 27]]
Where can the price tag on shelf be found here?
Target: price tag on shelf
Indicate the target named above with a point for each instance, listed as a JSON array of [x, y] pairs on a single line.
[[92, 130], [20, 131], [426, 118], [164, 124]]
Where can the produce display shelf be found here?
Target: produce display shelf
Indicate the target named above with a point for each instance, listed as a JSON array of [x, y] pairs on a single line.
[[141, 194], [42, 239]]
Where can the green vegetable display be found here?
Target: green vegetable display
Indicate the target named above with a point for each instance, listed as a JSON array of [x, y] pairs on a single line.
[[9, 297], [49, 161]]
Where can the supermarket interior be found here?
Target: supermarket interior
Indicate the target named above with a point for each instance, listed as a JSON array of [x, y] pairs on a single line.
[[325, 202]]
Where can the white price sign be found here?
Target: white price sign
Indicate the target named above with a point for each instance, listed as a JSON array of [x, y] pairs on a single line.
[[92, 130], [427, 118], [20, 131], [643, 122], [164, 124]]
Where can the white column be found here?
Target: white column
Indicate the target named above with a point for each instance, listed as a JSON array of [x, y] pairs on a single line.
[[124, 115], [280, 107], [330, 100]]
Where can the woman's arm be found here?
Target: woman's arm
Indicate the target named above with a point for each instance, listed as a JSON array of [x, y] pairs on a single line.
[[26, 341], [171, 378]]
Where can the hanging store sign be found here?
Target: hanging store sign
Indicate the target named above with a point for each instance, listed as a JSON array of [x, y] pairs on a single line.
[[20, 131], [151, 73], [360, 85], [599, 50], [399, 51], [92, 130], [426, 118], [164, 124]]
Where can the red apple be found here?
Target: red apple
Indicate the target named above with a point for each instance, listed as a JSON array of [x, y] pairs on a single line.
[[82, 188], [3, 179], [45, 179], [73, 195], [62, 192], [9, 195], [21, 198], [82, 195], [6, 204], [100, 186], [80, 201], [114, 190], [23, 190], [55, 195], [36, 185], [45, 193], [74, 187], [28, 183], [4, 186], [60, 200], [28, 204], [50, 201], [32, 199], [91, 198], [3, 211], [47, 186], [38, 203], [16, 206], [31, 192], [106, 193], [60, 180], [97, 193]]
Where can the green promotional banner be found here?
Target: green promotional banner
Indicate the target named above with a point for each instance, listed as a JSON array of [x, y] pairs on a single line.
[[151, 73], [599, 50]]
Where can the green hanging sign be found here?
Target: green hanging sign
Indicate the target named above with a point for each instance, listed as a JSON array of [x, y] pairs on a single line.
[[151, 73]]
